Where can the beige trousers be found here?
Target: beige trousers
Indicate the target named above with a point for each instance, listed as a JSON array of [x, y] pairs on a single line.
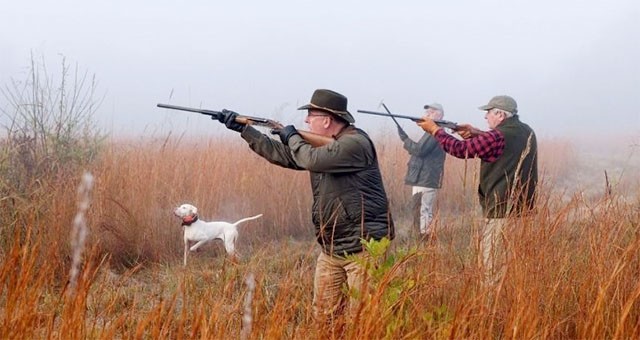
[[492, 250], [337, 281]]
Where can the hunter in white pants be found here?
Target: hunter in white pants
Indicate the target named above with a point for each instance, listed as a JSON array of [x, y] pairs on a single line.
[[427, 200], [424, 170]]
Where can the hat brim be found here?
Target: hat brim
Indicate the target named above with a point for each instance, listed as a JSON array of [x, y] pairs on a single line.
[[340, 114], [434, 107], [306, 107], [486, 107]]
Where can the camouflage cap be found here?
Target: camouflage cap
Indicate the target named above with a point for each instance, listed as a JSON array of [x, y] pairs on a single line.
[[505, 103], [331, 102]]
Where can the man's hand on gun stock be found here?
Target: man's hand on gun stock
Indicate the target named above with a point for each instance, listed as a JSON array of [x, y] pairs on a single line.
[[228, 118], [428, 125], [285, 133], [467, 131]]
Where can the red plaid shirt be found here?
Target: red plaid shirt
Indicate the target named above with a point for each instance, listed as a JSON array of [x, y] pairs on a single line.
[[487, 146]]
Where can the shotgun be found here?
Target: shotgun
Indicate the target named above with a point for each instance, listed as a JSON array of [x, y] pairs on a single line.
[[441, 123], [314, 139]]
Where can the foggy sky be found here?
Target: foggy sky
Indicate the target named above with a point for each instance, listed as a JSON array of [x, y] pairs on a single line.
[[571, 65]]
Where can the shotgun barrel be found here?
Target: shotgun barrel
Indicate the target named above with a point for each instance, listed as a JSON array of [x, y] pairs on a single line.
[[441, 123], [314, 139]]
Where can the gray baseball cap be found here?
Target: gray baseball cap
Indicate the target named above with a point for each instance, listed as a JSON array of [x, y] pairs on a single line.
[[434, 106], [503, 102]]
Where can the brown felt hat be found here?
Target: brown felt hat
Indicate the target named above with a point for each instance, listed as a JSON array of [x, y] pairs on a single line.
[[331, 102]]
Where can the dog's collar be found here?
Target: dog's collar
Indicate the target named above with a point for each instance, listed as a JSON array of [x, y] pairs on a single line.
[[189, 220]]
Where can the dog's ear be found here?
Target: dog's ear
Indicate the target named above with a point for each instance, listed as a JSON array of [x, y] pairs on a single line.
[[194, 210]]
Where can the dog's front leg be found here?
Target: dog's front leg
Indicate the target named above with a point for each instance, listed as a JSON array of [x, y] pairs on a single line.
[[197, 245], [186, 251]]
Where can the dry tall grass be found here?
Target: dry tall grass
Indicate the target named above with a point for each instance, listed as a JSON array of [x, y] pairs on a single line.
[[572, 274]]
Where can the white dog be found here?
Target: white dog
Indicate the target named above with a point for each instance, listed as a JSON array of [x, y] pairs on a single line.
[[201, 232]]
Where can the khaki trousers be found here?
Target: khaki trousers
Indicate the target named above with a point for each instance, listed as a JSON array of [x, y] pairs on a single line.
[[492, 250], [336, 281]]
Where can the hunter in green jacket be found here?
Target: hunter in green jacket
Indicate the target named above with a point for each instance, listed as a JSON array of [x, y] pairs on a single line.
[[349, 200]]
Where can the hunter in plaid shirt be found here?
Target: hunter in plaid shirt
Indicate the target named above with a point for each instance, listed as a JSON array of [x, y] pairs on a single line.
[[487, 146], [508, 173]]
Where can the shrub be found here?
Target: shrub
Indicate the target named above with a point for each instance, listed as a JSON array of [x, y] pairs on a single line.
[[47, 137]]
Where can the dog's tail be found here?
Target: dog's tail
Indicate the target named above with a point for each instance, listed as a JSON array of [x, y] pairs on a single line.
[[247, 219]]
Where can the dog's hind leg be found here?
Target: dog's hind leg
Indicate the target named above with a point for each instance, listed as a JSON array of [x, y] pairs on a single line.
[[230, 247]]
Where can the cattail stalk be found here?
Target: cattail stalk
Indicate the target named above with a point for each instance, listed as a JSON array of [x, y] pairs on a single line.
[[247, 317], [79, 229]]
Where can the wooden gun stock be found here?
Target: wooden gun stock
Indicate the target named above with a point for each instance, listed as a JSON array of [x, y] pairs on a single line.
[[315, 139]]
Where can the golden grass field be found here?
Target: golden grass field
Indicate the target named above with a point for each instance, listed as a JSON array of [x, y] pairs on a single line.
[[573, 274]]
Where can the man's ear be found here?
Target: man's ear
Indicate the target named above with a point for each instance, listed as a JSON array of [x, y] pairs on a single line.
[[328, 122]]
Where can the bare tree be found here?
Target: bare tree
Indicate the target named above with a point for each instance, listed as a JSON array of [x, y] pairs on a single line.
[[48, 125]]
